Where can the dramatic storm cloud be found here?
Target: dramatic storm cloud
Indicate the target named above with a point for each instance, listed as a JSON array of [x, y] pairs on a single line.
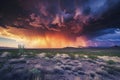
[[59, 23]]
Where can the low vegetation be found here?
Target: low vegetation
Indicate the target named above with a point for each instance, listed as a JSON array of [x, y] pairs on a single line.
[[35, 62], [112, 70], [92, 57], [110, 62], [1, 65], [91, 53]]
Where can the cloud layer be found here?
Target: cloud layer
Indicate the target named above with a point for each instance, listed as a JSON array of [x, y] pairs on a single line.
[[74, 22]]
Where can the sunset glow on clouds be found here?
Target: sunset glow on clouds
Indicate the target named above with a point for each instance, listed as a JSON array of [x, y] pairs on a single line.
[[31, 38], [59, 23]]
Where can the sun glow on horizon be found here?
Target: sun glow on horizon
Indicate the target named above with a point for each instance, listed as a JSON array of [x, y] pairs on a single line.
[[33, 39]]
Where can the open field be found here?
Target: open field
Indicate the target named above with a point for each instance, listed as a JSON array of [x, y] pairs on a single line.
[[60, 64], [85, 51]]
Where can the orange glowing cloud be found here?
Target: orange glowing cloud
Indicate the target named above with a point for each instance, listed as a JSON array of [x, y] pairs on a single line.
[[36, 39]]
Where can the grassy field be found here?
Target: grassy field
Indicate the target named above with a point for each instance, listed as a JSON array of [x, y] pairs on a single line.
[[29, 62], [71, 51]]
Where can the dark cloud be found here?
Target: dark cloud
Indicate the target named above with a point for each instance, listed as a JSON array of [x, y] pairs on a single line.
[[109, 37], [112, 34], [72, 17]]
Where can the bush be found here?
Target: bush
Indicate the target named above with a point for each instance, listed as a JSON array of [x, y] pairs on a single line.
[[72, 55], [1, 65], [110, 62], [113, 70], [49, 55], [92, 57], [14, 55]]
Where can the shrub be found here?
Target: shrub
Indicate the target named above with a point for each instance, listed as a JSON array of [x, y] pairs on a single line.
[[1, 65], [113, 70], [72, 55], [110, 62], [92, 57], [49, 55]]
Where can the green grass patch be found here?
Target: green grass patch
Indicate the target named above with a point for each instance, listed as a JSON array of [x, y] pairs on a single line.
[[110, 62], [92, 57], [72, 55], [49, 55], [51, 52]]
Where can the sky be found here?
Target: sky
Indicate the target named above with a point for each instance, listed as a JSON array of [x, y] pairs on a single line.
[[59, 23]]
